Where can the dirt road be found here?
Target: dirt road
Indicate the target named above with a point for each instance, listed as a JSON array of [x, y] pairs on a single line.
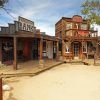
[[65, 82]]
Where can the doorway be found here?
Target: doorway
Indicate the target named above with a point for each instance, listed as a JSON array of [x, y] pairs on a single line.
[[35, 45], [76, 50]]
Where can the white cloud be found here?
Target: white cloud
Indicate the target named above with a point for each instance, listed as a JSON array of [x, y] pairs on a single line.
[[47, 29], [45, 13]]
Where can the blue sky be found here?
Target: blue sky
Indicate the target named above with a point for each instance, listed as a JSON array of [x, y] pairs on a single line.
[[45, 13]]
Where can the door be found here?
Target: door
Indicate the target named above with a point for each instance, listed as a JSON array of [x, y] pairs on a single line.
[[26, 50], [35, 49], [50, 50], [76, 50]]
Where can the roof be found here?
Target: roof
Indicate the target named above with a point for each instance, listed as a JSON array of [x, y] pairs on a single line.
[[70, 19]]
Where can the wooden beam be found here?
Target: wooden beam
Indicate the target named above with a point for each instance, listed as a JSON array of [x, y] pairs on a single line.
[[15, 53], [1, 93]]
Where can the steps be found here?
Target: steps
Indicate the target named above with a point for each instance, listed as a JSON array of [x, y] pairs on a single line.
[[75, 62]]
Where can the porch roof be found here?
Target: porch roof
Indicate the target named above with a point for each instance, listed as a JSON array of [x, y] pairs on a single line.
[[30, 35]]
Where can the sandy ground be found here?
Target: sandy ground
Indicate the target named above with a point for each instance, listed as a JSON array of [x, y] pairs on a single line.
[[65, 82], [28, 67]]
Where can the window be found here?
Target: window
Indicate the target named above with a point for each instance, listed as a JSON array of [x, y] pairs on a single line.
[[75, 26], [60, 35], [69, 33], [44, 45], [7, 53], [69, 26], [84, 26]]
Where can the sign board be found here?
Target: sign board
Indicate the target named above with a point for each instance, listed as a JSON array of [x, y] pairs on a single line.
[[83, 33], [25, 25]]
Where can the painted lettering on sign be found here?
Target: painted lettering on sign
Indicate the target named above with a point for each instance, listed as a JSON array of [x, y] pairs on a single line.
[[25, 24]]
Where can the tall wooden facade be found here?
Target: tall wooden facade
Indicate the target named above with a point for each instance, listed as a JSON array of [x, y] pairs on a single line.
[[21, 41], [76, 39]]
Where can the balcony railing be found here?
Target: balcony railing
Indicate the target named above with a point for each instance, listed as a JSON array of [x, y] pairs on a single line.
[[80, 33]]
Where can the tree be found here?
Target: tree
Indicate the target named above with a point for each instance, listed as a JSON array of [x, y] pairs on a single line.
[[91, 11], [2, 2]]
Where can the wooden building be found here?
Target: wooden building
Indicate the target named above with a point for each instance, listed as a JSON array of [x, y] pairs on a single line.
[[76, 39], [21, 41]]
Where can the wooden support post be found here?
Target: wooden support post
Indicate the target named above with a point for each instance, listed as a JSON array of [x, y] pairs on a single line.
[[41, 48], [97, 49], [94, 58], [41, 62], [82, 50], [63, 50], [46, 45], [57, 51], [1, 93], [0, 52], [70, 51], [15, 53]]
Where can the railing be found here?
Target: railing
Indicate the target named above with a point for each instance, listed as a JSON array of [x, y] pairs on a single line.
[[93, 34], [89, 33]]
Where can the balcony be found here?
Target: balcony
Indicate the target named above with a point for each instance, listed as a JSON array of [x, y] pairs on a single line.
[[93, 34], [80, 34], [77, 26]]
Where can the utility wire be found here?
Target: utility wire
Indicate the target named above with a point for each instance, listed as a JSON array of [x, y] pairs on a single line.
[[6, 10]]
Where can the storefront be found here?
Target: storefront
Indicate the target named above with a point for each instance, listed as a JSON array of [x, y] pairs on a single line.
[[25, 42]]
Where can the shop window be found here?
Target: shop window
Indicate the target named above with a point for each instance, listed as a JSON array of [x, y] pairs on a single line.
[[44, 45], [7, 48]]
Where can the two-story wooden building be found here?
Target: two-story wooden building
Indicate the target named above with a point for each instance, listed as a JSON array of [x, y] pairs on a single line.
[[21, 41], [76, 39]]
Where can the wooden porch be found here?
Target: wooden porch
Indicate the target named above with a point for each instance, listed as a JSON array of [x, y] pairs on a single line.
[[31, 67], [32, 48]]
